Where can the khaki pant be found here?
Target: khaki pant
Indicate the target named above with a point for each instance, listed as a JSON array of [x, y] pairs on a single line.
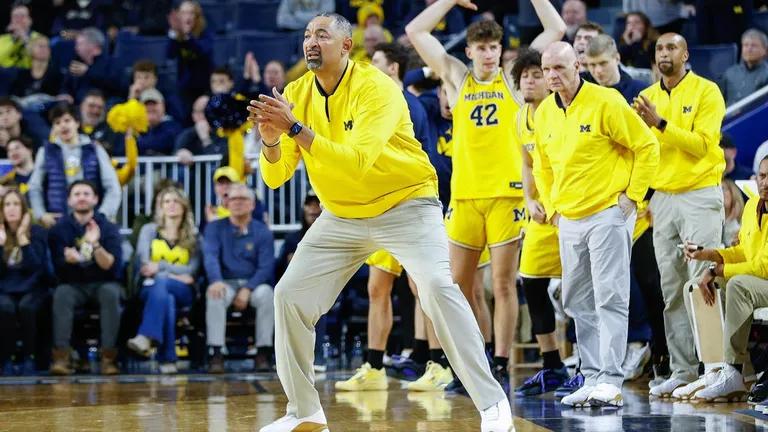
[[696, 216], [330, 253], [743, 294]]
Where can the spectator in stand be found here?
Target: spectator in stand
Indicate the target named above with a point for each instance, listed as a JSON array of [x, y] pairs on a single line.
[[23, 264], [21, 154], [574, 14], [144, 77], [163, 129], [583, 35], [452, 23], [254, 83], [144, 17], [363, 42], [296, 14], [199, 139], [638, 41], [602, 61], [87, 258], [374, 35], [221, 80], [91, 66], [665, 15], [40, 77], [311, 211], [14, 46], [733, 170], [77, 15], [191, 44], [13, 124], [60, 163], [733, 202], [239, 261], [223, 179], [749, 75], [169, 256], [92, 112]]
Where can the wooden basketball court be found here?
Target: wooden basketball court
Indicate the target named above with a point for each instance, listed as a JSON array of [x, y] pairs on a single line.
[[242, 402]]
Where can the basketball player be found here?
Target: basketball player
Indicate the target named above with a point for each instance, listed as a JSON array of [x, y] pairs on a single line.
[[597, 158], [487, 207], [349, 124]]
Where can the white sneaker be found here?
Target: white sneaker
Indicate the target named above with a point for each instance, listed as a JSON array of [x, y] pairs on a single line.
[[665, 389], [638, 355], [497, 418], [168, 369], [728, 387], [579, 398], [606, 394], [314, 423], [687, 392], [572, 361], [140, 344]]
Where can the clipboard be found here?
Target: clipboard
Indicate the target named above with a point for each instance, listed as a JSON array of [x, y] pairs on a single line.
[[708, 325]]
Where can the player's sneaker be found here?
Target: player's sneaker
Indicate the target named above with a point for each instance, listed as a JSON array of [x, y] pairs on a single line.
[[638, 355], [436, 378], [501, 374], [365, 378], [406, 369], [759, 393], [456, 387], [497, 418], [688, 391], [570, 386], [544, 381]]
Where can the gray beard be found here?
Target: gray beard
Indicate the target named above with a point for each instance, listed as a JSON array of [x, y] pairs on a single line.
[[314, 64]]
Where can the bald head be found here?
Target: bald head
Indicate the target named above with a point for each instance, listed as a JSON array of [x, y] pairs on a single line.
[[671, 54], [673, 38], [561, 68]]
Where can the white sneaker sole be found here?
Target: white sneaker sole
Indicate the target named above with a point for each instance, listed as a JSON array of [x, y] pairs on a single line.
[[616, 402]]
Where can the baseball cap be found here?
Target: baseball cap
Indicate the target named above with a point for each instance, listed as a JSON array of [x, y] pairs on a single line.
[[151, 95], [226, 172]]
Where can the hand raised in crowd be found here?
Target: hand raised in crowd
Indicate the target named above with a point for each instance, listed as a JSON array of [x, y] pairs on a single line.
[[92, 232], [647, 111], [185, 157], [631, 37], [537, 212], [49, 219], [467, 4], [22, 232], [241, 299], [251, 69], [72, 256]]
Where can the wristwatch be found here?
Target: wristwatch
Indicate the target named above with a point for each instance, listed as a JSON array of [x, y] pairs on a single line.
[[295, 129], [712, 268], [662, 125]]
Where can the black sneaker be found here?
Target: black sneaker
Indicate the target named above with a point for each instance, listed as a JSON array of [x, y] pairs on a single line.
[[502, 376], [759, 393], [544, 381], [456, 387]]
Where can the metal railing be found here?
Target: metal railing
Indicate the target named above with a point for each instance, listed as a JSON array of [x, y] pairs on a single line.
[[746, 103], [283, 205]]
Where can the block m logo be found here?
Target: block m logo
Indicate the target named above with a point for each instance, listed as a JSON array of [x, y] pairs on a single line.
[[348, 125], [519, 214], [585, 128]]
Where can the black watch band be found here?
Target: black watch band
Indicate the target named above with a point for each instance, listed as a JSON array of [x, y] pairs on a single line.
[[295, 129], [662, 125]]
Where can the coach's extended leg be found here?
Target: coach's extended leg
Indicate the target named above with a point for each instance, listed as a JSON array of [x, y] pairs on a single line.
[[331, 251], [426, 260]]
